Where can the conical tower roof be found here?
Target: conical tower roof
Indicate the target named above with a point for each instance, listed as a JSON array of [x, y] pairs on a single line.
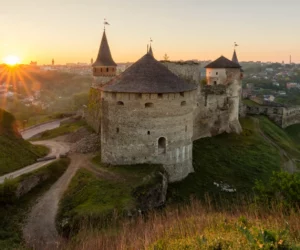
[[222, 63], [150, 51], [234, 58], [148, 75], [104, 56]]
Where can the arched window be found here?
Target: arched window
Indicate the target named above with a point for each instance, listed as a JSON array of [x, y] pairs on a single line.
[[162, 145], [120, 103], [148, 105], [183, 103]]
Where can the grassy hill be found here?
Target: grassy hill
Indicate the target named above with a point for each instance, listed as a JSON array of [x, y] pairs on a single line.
[[227, 168], [229, 160], [15, 152]]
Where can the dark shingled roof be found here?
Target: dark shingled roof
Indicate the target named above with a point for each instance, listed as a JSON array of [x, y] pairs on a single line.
[[222, 63], [234, 58], [148, 75], [104, 56]]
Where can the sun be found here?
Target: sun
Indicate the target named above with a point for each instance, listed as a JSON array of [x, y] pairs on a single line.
[[12, 60]]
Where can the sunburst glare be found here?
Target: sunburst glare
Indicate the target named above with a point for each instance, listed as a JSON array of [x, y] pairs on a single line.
[[11, 60]]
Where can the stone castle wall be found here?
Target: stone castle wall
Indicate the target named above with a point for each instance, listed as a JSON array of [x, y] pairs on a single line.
[[282, 116], [133, 125], [188, 70], [149, 128]]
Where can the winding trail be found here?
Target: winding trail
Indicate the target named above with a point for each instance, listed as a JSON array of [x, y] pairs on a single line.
[[40, 231], [56, 148], [289, 164]]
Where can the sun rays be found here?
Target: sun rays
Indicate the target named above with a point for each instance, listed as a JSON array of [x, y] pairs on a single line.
[[17, 80], [11, 60]]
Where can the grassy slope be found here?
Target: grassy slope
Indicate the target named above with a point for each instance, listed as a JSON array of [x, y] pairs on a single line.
[[237, 160], [13, 210], [92, 200], [62, 130], [287, 139], [198, 226], [15, 153]]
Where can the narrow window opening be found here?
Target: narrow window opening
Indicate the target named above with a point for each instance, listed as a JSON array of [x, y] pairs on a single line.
[[162, 144], [148, 105], [183, 103], [101, 70], [160, 96], [140, 96], [120, 103], [118, 130], [182, 94], [215, 82], [217, 73], [107, 69], [148, 132]]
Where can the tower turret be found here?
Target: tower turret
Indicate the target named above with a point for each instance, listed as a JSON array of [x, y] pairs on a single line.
[[234, 58], [104, 65]]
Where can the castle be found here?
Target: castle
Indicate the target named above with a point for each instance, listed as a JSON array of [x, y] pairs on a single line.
[[152, 112]]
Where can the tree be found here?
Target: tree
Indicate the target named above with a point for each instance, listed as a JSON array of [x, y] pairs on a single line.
[[166, 57]]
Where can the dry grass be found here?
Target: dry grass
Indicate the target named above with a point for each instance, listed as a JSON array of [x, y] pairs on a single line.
[[198, 226]]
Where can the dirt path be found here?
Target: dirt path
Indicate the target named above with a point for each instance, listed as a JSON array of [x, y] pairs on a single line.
[[289, 164], [40, 231], [56, 148]]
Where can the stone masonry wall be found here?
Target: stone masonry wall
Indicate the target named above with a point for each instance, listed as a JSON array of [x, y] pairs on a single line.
[[134, 124], [189, 70]]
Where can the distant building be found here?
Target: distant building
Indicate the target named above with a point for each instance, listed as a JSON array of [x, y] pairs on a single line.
[[269, 98]]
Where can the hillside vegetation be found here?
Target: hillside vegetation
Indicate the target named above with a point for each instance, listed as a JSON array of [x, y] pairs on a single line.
[[97, 195], [228, 165], [15, 152], [238, 198], [13, 209]]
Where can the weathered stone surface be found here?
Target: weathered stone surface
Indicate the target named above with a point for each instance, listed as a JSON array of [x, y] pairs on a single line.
[[159, 128], [86, 145], [29, 183], [152, 195]]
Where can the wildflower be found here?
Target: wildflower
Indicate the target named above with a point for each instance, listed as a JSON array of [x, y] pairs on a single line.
[[280, 242], [261, 245]]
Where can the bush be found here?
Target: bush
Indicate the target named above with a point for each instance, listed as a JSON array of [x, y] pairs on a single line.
[[282, 187]]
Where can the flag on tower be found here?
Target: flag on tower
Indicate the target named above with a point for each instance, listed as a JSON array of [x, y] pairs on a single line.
[[105, 22]]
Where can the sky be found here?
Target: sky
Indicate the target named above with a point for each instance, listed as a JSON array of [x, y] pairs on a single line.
[[71, 30]]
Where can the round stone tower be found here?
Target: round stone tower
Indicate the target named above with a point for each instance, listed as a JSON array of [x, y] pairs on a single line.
[[104, 69], [147, 117]]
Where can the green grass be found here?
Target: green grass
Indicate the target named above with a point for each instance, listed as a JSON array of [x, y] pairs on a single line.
[[64, 129], [93, 201], [286, 139], [13, 210], [15, 153], [250, 103], [294, 132], [237, 160]]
